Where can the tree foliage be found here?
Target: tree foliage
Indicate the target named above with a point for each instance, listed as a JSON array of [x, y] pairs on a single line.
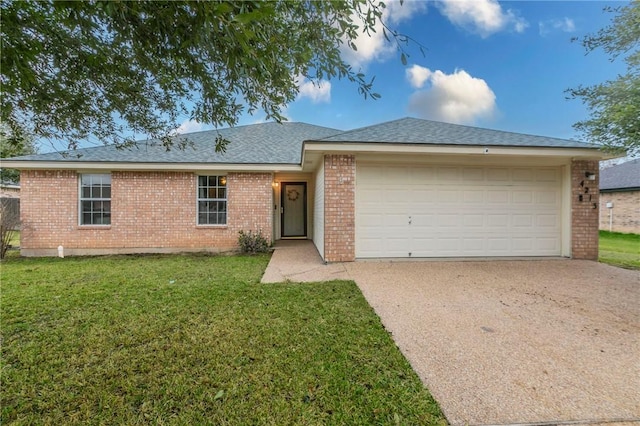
[[73, 70], [615, 104], [10, 146]]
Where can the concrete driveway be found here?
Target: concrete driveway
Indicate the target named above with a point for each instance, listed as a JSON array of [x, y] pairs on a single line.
[[503, 342], [515, 342]]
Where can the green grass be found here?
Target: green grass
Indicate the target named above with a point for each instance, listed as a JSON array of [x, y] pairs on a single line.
[[195, 340], [620, 249], [15, 239]]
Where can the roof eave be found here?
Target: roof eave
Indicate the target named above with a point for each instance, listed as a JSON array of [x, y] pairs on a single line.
[[136, 166], [406, 148], [628, 189]]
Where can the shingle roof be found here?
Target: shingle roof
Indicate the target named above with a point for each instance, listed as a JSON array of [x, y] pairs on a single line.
[[622, 176], [275, 143], [417, 131], [265, 143]]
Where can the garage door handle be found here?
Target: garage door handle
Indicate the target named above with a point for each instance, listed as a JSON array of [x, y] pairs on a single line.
[[409, 220]]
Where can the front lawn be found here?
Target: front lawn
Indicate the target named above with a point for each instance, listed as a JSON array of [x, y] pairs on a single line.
[[620, 249], [194, 340]]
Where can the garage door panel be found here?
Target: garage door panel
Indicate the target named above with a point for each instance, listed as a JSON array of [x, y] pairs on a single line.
[[422, 174], [522, 220], [522, 175], [547, 175], [547, 197], [473, 175], [473, 197], [498, 174], [435, 211], [422, 220], [549, 244], [423, 196], [473, 220], [498, 196], [522, 245], [447, 196], [523, 197], [547, 221], [448, 175]]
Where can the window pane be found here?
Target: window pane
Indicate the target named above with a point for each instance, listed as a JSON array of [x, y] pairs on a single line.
[[95, 204], [85, 206], [212, 188]]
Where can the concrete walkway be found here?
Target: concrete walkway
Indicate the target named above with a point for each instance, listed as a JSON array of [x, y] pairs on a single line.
[[544, 342], [299, 261]]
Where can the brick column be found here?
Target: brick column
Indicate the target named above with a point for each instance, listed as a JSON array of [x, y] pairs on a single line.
[[339, 208], [584, 210]]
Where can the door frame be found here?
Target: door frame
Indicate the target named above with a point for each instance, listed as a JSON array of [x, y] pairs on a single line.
[[283, 191]]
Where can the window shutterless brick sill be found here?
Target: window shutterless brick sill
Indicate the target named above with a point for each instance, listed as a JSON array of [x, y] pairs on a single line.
[[92, 227], [212, 226]]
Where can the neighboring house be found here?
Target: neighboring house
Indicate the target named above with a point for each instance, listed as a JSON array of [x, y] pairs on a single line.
[[10, 200], [405, 188], [620, 197], [9, 190]]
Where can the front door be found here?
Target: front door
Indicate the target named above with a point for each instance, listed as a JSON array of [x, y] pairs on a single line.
[[294, 209]]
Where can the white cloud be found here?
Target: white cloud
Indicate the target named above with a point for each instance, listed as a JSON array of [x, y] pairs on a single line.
[[317, 92], [455, 98], [566, 25], [191, 126], [417, 75], [484, 17], [374, 46]]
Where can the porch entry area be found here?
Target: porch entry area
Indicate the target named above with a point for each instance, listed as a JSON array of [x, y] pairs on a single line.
[[293, 210]]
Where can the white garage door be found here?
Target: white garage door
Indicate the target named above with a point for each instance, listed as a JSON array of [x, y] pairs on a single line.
[[453, 211]]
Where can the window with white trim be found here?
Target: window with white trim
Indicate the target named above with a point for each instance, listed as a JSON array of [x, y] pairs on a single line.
[[212, 200], [95, 199]]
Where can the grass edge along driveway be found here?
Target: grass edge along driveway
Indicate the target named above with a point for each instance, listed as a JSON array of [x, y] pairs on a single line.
[[195, 339], [618, 249]]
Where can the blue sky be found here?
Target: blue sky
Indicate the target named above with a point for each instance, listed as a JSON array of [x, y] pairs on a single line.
[[500, 65]]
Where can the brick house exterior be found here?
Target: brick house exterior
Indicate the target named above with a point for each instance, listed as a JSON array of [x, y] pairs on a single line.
[[151, 212], [624, 215], [155, 198], [620, 198], [339, 210], [584, 210]]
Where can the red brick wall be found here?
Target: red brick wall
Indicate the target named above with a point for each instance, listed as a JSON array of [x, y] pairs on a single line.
[[151, 211], [626, 211], [339, 208], [584, 210]]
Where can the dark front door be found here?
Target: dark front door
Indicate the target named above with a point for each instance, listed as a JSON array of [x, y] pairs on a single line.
[[294, 209]]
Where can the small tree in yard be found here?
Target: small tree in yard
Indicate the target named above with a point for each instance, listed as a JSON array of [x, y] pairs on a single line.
[[9, 222], [252, 242]]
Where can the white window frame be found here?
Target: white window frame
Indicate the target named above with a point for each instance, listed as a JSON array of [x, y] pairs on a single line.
[[221, 183], [91, 198]]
